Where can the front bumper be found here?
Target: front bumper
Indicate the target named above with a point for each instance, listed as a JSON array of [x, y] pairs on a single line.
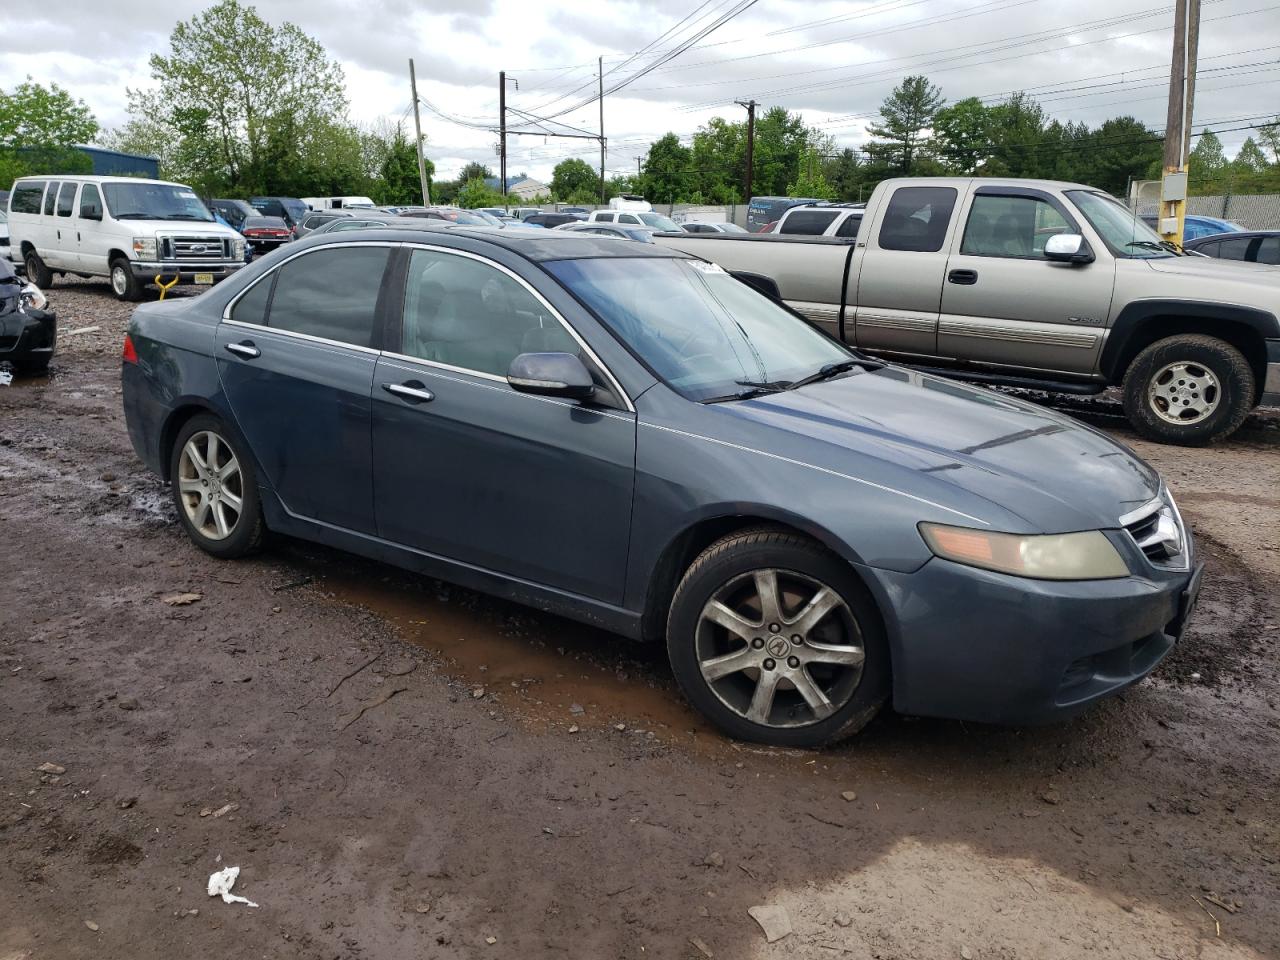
[[1271, 382], [28, 337], [971, 644], [184, 271]]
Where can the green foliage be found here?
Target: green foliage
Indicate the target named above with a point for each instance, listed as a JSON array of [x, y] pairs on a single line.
[[811, 182], [667, 177], [398, 168], [962, 135], [905, 115], [1207, 164], [575, 181], [476, 193], [39, 128], [475, 171]]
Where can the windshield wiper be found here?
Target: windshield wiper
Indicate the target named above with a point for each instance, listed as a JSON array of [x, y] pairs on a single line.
[[134, 216], [1164, 246], [834, 369], [754, 388]]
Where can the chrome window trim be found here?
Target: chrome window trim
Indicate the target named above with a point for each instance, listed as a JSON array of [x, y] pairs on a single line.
[[398, 360], [613, 381], [305, 336]]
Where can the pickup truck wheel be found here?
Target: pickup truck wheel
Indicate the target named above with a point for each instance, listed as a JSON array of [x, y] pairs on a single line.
[[775, 639], [1190, 390], [123, 283], [37, 272]]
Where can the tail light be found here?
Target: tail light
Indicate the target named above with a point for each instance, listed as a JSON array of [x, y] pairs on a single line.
[[129, 355]]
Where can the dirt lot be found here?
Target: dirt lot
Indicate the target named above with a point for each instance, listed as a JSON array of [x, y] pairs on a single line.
[[537, 789]]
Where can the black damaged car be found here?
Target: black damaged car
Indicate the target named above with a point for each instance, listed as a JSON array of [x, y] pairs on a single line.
[[28, 332]]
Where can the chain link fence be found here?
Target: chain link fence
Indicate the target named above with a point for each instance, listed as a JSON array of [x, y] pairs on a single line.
[[1253, 211]]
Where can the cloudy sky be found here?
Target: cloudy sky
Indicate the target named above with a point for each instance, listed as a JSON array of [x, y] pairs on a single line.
[[834, 62]]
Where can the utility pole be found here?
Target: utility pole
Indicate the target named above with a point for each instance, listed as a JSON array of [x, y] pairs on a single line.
[[502, 135], [751, 138], [417, 129], [1177, 129], [600, 81]]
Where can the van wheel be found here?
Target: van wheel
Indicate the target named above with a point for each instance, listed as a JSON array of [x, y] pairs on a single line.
[[1189, 390], [37, 272], [123, 283], [775, 639]]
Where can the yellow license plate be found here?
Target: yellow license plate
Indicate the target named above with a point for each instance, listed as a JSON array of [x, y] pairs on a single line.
[[204, 278]]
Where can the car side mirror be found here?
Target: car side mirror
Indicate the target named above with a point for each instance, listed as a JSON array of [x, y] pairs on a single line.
[[1068, 248], [551, 375]]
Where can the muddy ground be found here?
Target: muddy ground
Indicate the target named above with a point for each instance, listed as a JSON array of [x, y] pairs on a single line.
[[533, 788]]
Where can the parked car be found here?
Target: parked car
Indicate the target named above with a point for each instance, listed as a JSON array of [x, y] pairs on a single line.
[[1252, 246], [763, 211], [266, 233], [451, 214], [522, 213], [6, 254], [1195, 226], [337, 203], [690, 227], [821, 220], [315, 220], [550, 220], [580, 211], [620, 230], [233, 212], [630, 201], [343, 224], [639, 218], [1033, 283], [289, 209], [28, 329], [811, 532], [124, 228]]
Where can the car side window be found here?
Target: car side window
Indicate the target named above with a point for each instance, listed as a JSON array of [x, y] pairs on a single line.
[[468, 314], [628, 218], [808, 223], [1236, 248], [67, 199], [1269, 250], [1011, 227], [90, 201], [916, 219], [1209, 249], [604, 218], [26, 197], [51, 198], [330, 293], [252, 306], [849, 228]]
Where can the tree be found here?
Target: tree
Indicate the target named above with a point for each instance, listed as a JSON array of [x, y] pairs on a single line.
[[574, 179], [845, 174], [1016, 127], [1269, 134], [476, 193], [475, 171], [810, 181], [1249, 158], [667, 176], [399, 171], [904, 116], [1208, 164], [39, 130], [962, 135], [781, 142], [242, 97], [1117, 152]]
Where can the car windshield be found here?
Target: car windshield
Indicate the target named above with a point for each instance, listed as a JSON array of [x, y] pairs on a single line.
[[154, 201], [708, 335], [1121, 229], [658, 221]]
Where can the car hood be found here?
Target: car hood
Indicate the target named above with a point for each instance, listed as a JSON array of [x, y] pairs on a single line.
[[990, 455]]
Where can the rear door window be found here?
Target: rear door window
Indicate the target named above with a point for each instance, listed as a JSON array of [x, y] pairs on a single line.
[[604, 218], [252, 307], [67, 200], [917, 219], [51, 198], [849, 228], [331, 294], [1269, 250], [808, 223], [27, 197], [1236, 248]]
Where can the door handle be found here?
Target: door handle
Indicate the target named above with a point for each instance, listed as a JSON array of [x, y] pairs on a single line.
[[246, 349], [412, 391], [966, 277]]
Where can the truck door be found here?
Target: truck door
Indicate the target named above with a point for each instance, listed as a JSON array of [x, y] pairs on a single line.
[[900, 283], [1004, 303]]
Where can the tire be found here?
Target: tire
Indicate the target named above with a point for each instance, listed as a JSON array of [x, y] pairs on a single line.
[[194, 490], [37, 272], [1189, 389], [730, 571], [34, 366], [123, 283]]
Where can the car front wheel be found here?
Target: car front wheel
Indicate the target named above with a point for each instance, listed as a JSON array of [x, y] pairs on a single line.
[[776, 640], [214, 489], [123, 283]]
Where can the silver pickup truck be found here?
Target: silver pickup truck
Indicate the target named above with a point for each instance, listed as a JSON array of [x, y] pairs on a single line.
[[1040, 284]]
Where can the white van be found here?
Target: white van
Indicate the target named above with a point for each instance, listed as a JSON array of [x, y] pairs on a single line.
[[336, 203], [129, 230], [629, 201]]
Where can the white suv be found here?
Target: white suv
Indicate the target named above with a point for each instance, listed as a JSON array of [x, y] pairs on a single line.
[[133, 231], [635, 218]]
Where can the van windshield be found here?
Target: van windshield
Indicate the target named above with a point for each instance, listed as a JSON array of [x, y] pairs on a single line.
[[154, 201]]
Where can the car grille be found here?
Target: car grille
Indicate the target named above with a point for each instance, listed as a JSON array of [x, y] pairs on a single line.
[[1158, 531], [195, 248]]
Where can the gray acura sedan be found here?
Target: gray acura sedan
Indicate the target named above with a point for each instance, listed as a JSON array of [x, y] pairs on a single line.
[[634, 438]]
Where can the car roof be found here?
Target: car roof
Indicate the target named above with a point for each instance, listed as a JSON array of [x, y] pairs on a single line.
[[536, 245], [1235, 235]]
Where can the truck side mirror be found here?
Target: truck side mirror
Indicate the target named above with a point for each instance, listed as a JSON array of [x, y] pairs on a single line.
[[1068, 248]]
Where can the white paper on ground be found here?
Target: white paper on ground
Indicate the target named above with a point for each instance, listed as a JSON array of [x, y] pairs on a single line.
[[6, 378], [220, 884]]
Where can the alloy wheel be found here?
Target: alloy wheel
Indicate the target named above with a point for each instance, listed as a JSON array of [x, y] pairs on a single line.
[[211, 485], [119, 281], [779, 648], [1184, 393]]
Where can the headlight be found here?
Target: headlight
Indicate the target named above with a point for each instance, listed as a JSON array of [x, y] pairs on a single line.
[[144, 248], [32, 297], [1058, 556], [237, 249]]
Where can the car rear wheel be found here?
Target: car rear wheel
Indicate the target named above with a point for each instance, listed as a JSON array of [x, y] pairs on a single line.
[[215, 490], [1189, 389], [37, 272], [123, 283], [776, 640]]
